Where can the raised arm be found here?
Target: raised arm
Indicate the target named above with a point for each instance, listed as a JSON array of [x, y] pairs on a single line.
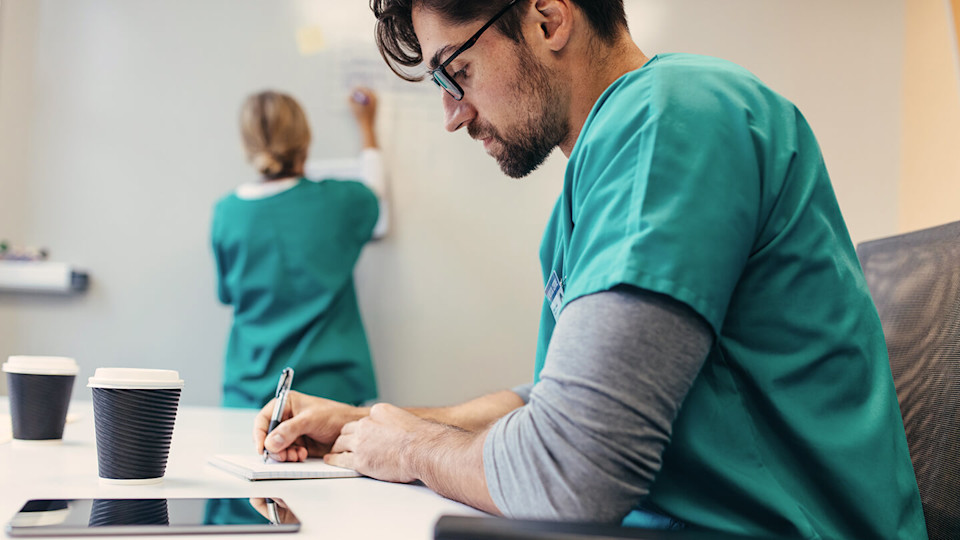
[[364, 104]]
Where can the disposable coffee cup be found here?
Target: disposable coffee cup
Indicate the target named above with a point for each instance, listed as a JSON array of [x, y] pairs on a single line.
[[40, 389], [113, 512], [134, 411]]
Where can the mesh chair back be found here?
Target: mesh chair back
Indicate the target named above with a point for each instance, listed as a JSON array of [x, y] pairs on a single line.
[[914, 279]]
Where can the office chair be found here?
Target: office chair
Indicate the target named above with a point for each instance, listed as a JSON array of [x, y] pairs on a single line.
[[914, 280]]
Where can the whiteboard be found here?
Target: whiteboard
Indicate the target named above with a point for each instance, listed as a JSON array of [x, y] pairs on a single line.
[[118, 132]]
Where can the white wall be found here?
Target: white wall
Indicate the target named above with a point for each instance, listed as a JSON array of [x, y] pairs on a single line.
[[118, 133]]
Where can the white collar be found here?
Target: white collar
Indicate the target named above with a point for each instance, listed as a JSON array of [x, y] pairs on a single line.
[[262, 190]]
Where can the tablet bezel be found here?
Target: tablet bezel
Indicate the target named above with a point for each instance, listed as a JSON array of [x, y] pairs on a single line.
[[291, 523]]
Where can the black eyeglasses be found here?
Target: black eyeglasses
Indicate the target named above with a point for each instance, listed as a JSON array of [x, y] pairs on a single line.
[[440, 76]]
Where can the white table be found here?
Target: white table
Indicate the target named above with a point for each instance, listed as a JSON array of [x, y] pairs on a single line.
[[342, 508]]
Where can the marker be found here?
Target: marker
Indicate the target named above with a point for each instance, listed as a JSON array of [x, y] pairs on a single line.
[[360, 97], [283, 387]]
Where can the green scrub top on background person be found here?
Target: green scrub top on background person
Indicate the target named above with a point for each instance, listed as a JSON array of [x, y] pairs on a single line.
[[693, 179], [285, 263]]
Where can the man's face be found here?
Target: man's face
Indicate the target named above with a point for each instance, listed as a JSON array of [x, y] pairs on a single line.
[[511, 101]]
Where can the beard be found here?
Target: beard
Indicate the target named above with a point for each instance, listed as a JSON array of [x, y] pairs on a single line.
[[525, 146]]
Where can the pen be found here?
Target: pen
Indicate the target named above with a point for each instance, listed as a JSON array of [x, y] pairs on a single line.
[[272, 510], [283, 387]]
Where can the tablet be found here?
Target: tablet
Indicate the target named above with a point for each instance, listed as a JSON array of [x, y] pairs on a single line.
[[101, 517]]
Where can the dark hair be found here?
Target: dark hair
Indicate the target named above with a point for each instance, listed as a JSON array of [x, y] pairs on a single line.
[[399, 45]]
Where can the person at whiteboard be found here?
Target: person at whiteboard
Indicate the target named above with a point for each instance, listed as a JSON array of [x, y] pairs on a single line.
[[285, 248], [709, 354]]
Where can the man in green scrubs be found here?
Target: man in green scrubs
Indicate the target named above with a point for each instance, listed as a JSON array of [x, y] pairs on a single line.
[[709, 354]]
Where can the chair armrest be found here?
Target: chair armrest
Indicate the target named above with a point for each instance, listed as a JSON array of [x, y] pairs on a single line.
[[491, 528]]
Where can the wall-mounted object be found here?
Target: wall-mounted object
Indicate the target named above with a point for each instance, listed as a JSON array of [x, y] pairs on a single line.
[[10, 252], [42, 277]]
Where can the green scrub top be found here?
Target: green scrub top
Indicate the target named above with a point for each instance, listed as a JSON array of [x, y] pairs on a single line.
[[693, 179], [285, 263]]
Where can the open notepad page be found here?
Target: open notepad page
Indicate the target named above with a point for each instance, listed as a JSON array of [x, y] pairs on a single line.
[[252, 467]]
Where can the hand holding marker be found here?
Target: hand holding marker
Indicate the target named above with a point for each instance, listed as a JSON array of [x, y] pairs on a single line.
[[363, 105]]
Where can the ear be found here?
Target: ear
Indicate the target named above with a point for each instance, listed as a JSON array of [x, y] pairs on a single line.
[[556, 22]]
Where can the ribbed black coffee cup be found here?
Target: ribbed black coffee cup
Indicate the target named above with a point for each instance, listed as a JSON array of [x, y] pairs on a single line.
[[134, 411], [40, 389], [111, 512], [38, 405], [134, 431]]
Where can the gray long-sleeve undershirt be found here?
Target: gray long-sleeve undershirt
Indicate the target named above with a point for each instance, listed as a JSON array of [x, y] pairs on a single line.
[[588, 443]]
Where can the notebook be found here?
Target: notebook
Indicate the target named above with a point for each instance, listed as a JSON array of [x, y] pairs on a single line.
[[252, 467]]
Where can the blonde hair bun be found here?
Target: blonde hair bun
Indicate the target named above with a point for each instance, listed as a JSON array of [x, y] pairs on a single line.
[[275, 134], [266, 164]]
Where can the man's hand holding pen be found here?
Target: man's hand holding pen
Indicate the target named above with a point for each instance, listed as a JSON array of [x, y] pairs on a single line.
[[309, 426]]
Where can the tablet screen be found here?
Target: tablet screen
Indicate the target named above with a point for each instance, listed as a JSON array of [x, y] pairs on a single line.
[[98, 517]]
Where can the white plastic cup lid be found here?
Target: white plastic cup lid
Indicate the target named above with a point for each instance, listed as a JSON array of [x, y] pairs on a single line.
[[41, 365], [135, 378]]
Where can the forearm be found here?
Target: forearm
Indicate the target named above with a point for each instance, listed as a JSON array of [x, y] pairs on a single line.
[[373, 176], [450, 462], [474, 415], [397, 446], [368, 135]]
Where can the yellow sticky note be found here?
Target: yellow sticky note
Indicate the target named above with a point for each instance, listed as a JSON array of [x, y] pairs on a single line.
[[310, 40]]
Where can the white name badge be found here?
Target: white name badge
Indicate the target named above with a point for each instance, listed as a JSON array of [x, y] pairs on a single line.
[[554, 292]]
